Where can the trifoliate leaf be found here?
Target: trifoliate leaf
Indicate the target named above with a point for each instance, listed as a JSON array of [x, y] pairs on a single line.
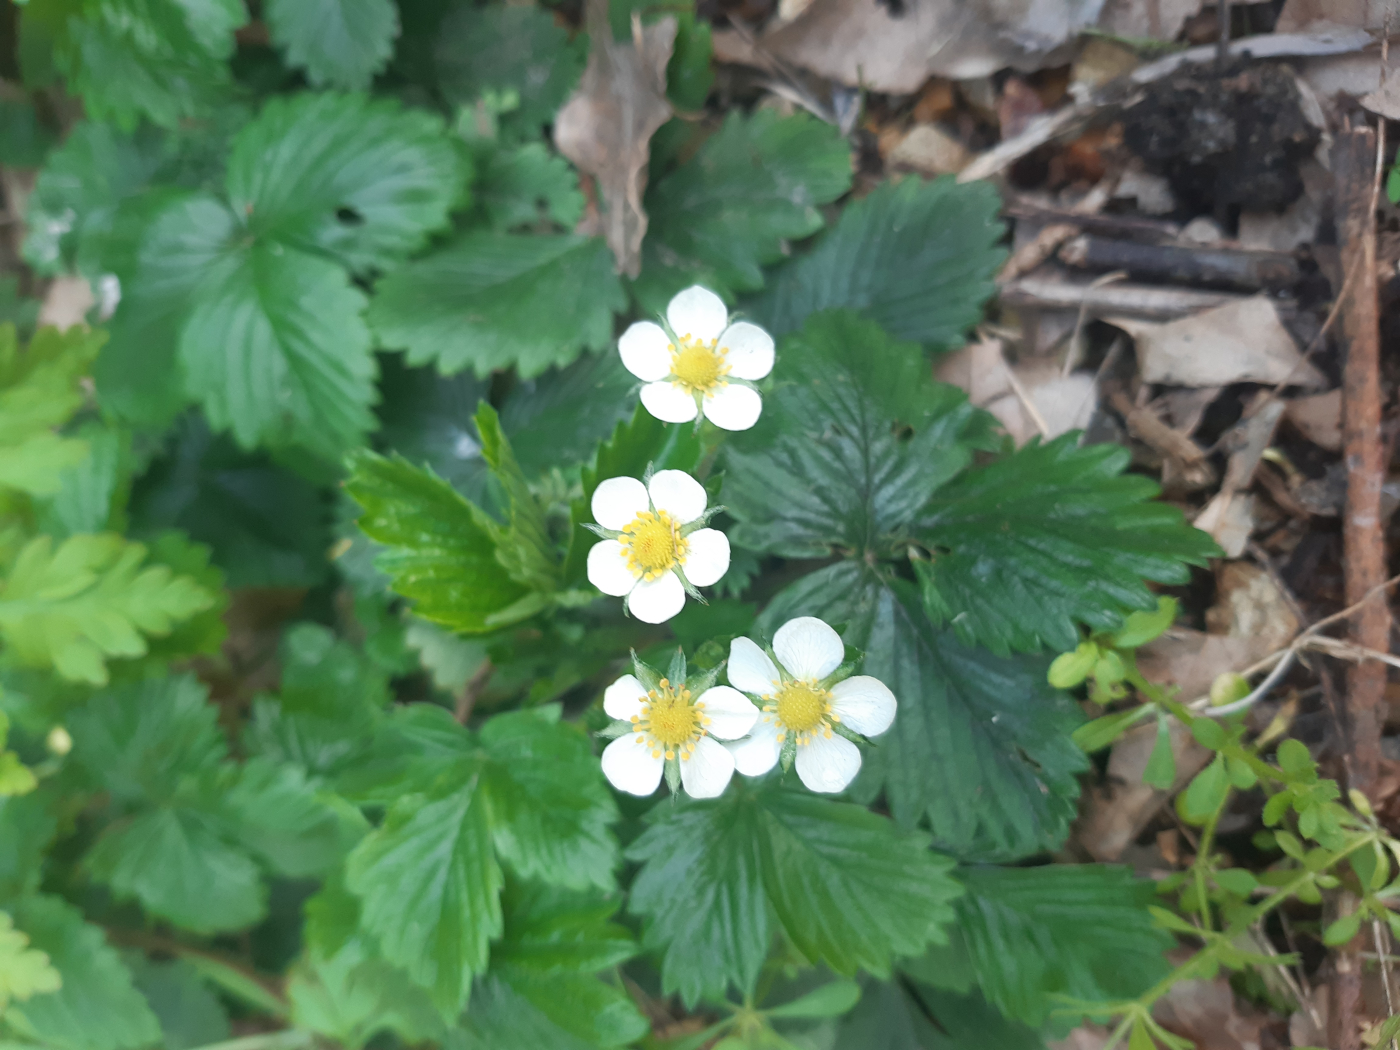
[[1082, 931], [363, 181], [525, 186], [441, 552], [1050, 537], [24, 971], [340, 43], [493, 300], [161, 59], [829, 466], [917, 257], [904, 1015], [711, 870], [429, 884], [981, 744], [175, 863], [720, 217], [74, 606], [275, 348], [38, 392], [518, 54], [275, 815], [550, 810], [190, 1014], [97, 1008]]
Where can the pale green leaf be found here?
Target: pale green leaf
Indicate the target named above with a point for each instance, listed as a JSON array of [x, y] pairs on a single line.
[[24, 971]]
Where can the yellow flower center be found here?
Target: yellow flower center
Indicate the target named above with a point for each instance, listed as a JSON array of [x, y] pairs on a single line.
[[653, 544], [698, 367], [669, 722], [803, 708]]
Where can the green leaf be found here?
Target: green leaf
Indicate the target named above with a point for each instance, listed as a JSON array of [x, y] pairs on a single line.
[[1160, 771], [91, 494], [354, 995], [203, 633], [275, 348], [495, 300], [903, 1016], [440, 554], [1342, 930], [24, 139], [27, 828], [826, 468], [550, 809], [708, 868], [525, 186], [756, 184], [508, 50], [524, 546], [340, 43], [190, 1014], [161, 59], [175, 863], [917, 257], [274, 814], [1050, 537], [981, 745], [1139, 628], [1206, 793], [550, 931], [1078, 930], [74, 607], [1070, 669], [429, 885], [97, 1008], [830, 1000], [39, 391], [142, 740], [24, 971], [363, 181]]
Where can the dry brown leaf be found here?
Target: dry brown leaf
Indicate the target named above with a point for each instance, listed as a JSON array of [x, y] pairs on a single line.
[[1318, 418], [1155, 19], [606, 127], [1205, 1013], [1239, 342], [1031, 398], [1385, 100], [1351, 14], [1249, 604], [67, 302], [930, 151]]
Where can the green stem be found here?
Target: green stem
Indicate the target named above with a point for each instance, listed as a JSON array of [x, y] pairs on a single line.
[[1202, 861], [285, 1039]]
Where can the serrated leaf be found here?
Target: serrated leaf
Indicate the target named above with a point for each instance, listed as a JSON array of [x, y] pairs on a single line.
[[710, 871], [981, 745], [554, 931], [340, 43], [495, 300], [830, 1000], [1050, 537], [27, 828], [176, 864], [190, 1014], [524, 546], [353, 995], [440, 553], [722, 216], [827, 469], [917, 257], [429, 885], [525, 186], [24, 971], [1078, 930], [517, 51], [363, 181], [74, 606], [903, 1015], [91, 494], [97, 1008], [161, 59], [550, 810], [275, 815]]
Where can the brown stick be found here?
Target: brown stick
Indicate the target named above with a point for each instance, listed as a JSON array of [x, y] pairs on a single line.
[[1363, 537], [1237, 269]]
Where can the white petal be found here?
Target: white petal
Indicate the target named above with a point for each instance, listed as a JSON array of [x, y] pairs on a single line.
[[758, 752], [646, 351], [678, 494], [658, 600], [808, 648], [669, 403], [708, 770], [623, 698], [733, 407], [865, 704], [708, 557], [607, 569], [697, 312], [617, 501], [630, 767], [750, 670], [828, 765], [748, 350], [731, 714]]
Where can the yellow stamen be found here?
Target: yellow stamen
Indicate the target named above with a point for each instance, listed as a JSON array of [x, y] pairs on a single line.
[[698, 367], [653, 545], [804, 707]]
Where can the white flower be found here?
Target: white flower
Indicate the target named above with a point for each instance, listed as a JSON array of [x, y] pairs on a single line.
[[800, 703], [656, 548], [703, 363], [668, 725]]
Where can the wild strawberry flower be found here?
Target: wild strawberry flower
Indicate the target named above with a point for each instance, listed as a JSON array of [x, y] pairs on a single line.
[[670, 726], [702, 364], [655, 548], [810, 708]]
